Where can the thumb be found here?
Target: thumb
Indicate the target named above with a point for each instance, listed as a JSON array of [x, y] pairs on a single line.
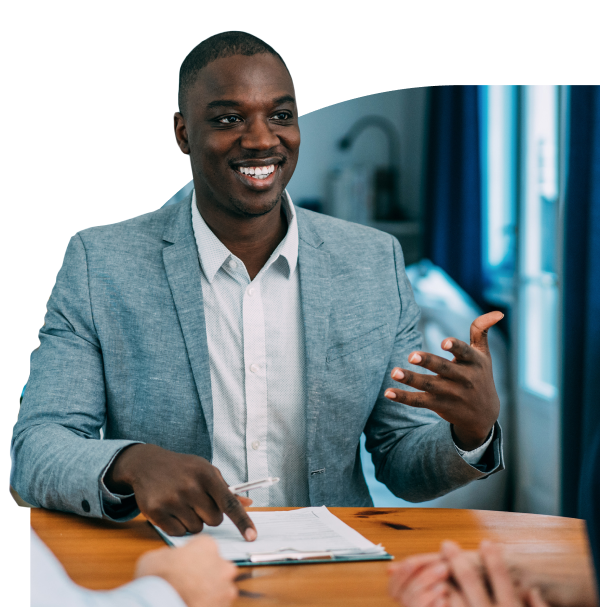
[[479, 330]]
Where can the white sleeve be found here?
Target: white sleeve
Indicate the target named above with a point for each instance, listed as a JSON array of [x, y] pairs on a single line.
[[474, 457], [52, 587]]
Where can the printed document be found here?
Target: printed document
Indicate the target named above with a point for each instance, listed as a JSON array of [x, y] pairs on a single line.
[[305, 530]]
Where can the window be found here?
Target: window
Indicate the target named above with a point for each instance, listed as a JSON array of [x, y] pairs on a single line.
[[539, 238], [519, 157], [499, 136]]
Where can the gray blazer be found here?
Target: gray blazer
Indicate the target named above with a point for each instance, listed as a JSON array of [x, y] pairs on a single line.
[[124, 347]]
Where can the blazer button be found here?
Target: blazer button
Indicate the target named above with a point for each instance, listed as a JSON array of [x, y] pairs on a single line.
[[85, 505]]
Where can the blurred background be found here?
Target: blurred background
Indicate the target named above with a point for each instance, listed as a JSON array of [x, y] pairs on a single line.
[[492, 190]]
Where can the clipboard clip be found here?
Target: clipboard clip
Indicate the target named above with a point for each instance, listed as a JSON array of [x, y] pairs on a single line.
[[289, 554]]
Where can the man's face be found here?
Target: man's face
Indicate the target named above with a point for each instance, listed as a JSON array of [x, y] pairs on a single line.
[[241, 131]]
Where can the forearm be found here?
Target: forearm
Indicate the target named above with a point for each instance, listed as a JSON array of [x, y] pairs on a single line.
[[55, 468]]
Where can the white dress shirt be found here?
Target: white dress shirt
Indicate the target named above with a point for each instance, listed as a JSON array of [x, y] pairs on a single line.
[[257, 366], [52, 587]]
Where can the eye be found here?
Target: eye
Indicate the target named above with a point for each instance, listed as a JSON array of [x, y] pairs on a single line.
[[282, 116], [286, 116], [226, 118]]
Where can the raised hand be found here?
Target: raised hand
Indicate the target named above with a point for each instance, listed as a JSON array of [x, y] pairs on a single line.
[[463, 391]]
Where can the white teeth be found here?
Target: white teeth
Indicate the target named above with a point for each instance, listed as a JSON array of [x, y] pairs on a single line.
[[258, 172]]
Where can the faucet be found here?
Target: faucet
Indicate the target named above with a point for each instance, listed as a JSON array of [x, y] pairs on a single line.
[[386, 179]]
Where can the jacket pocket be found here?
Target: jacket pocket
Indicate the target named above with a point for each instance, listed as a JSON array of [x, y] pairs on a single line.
[[358, 343]]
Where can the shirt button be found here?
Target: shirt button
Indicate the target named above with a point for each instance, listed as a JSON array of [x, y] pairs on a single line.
[[254, 368], [85, 505], [255, 444], [232, 264], [250, 291]]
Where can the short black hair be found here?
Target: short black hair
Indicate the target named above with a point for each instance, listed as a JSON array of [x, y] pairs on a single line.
[[219, 46]]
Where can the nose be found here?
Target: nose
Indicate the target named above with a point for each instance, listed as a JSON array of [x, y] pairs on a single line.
[[259, 135]]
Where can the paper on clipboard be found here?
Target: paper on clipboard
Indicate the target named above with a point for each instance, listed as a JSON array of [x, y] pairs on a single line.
[[307, 530]]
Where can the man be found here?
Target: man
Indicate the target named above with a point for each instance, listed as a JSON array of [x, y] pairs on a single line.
[[232, 337], [193, 575]]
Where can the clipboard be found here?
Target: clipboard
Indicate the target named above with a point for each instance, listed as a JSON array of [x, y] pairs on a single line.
[[297, 557]]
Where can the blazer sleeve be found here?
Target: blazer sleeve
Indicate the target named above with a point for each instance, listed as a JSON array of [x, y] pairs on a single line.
[[412, 449], [57, 454]]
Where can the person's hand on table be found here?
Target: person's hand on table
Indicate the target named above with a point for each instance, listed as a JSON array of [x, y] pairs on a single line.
[[177, 492], [196, 571], [456, 578], [463, 391]]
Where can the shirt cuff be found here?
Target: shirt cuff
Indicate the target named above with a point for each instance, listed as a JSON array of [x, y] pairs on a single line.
[[475, 456], [116, 506], [107, 496]]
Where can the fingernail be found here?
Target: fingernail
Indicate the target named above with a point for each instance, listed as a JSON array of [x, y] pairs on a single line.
[[447, 344], [389, 394], [397, 374], [250, 534], [415, 358]]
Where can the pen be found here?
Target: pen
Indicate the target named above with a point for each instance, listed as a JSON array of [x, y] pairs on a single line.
[[261, 484]]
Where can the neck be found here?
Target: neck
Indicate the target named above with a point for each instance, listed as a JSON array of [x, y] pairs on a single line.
[[252, 239]]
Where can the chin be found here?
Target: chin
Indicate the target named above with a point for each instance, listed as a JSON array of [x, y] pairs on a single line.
[[253, 208]]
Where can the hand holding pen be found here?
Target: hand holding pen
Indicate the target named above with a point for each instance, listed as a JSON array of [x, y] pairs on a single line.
[[179, 493]]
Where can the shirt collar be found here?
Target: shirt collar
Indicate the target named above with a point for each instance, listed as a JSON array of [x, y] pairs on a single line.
[[213, 253]]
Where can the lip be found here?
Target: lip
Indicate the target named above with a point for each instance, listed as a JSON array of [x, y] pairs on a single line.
[[258, 185]]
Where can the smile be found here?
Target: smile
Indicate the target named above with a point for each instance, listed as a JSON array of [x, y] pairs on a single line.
[[258, 178]]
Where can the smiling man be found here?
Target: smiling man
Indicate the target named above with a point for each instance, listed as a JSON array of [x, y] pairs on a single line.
[[233, 336]]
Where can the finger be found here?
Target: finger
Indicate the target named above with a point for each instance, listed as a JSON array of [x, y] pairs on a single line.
[[498, 575], [442, 366], [400, 572], [231, 506], [428, 577], [462, 352], [206, 508], [428, 598], [170, 525], [456, 599], [466, 575], [480, 327], [437, 595], [245, 501], [421, 400], [189, 518], [534, 598], [425, 382], [420, 578]]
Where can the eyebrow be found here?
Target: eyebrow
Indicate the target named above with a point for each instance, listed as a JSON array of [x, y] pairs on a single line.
[[232, 103]]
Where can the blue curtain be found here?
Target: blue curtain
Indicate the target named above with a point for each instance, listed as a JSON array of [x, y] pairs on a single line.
[[453, 187], [581, 293]]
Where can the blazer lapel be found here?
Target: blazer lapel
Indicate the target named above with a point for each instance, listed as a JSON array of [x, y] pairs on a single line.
[[183, 273], [315, 285]]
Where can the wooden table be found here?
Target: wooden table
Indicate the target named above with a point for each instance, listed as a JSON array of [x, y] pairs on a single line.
[[101, 555]]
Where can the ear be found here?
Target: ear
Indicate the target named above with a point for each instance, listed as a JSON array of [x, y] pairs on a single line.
[[181, 133]]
